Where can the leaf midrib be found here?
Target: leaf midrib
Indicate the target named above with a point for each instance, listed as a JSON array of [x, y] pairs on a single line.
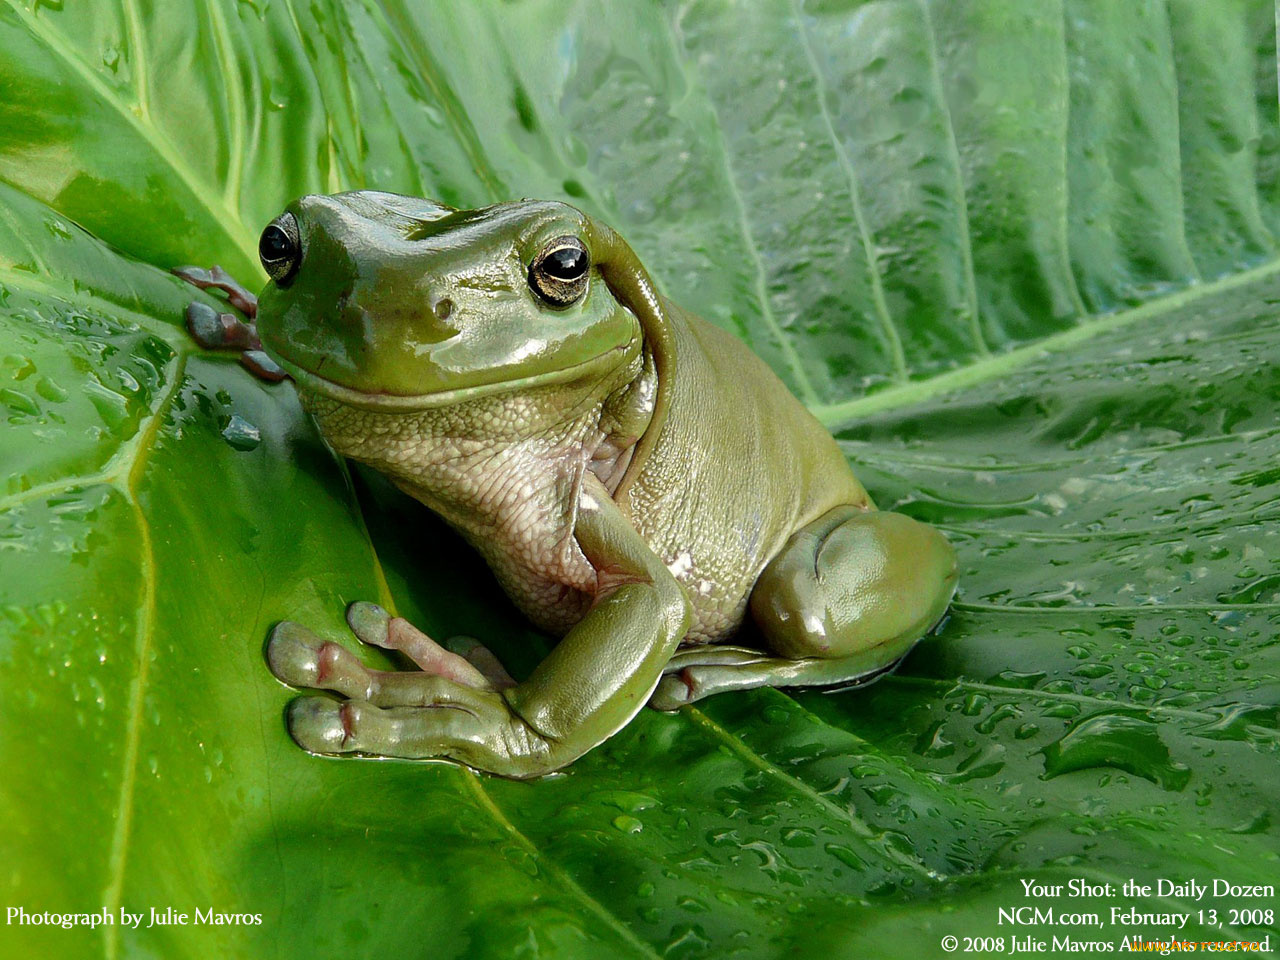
[[854, 450], [994, 367], [146, 628]]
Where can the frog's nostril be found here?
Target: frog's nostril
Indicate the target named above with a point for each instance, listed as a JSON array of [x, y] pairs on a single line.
[[443, 308]]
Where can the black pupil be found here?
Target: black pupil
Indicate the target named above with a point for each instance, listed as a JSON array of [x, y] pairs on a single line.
[[567, 263], [274, 244]]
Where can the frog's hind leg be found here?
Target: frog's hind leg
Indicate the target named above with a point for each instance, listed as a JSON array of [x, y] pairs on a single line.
[[841, 604], [697, 672]]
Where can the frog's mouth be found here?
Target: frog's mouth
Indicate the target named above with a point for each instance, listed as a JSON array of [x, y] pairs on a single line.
[[406, 403]]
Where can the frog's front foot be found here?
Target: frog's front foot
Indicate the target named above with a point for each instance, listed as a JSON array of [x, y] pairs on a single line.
[[452, 708], [225, 331]]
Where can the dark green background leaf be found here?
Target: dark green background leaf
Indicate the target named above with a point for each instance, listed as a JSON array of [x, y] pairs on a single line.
[[1020, 255]]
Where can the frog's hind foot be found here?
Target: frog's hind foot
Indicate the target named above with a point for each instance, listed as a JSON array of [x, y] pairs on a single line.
[[225, 331], [698, 672]]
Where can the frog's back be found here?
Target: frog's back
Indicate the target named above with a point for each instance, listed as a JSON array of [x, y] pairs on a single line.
[[739, 466]]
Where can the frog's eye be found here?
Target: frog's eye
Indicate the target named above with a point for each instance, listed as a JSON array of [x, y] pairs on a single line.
[[280, 250], [559, 273]]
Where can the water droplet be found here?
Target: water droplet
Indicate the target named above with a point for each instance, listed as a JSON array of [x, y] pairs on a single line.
[[775, 713], [57, 228], [112, 408], [1092, 671], [1125, 742], [625, 800], [798, 837], [846, 856], [51, 390], [240, 434], [1257, 823], [1020, 681], [932, 743], [1063, 711], [1003, 712], [19, 402]]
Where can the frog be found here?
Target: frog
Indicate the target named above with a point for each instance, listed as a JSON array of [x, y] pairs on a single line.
[[643, 487]]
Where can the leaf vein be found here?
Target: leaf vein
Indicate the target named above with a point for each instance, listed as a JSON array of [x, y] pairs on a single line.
[[860, 829], [792, 359], [853, 449], [874, 274], [409, 40], [138, 59], [1218, 523], [1103, 608], [1064, 231], [472, 780], [962, 212], [235, 98], [223, 216], [1091, 701]]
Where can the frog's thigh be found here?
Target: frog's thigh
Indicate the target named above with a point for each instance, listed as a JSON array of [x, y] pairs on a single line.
[[842, 603], [855, 583]]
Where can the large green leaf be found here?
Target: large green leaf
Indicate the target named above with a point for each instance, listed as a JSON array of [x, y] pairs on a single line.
[[1019, 254]]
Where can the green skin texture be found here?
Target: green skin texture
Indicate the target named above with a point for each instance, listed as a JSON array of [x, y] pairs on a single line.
[[640, 483]]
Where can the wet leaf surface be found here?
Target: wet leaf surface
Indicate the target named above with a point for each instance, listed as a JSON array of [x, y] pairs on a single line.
[[1019, 256]]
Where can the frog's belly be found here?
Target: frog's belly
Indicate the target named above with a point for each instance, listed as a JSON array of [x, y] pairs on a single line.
[[556, 589], [717, 593]]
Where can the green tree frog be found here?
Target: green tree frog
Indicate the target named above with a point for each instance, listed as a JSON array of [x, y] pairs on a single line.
[[640, 483]]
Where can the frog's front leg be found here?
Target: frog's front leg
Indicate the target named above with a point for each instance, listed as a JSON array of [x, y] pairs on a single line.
[[841, 604], [225, 331], [595, 680]]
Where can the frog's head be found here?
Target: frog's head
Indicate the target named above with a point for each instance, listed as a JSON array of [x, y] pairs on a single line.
[[386, 301]]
